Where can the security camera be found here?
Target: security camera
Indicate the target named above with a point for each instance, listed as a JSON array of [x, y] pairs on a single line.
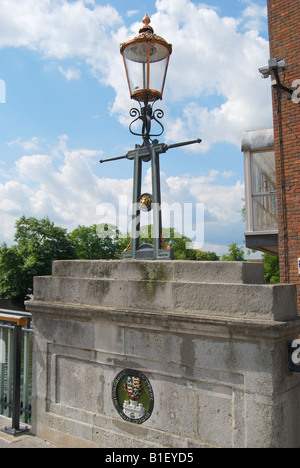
[[276, 64], [265, 71], [273, 68], [281, 64], [273, 64]]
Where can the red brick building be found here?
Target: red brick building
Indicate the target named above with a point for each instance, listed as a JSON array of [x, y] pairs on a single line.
[[284, 33]]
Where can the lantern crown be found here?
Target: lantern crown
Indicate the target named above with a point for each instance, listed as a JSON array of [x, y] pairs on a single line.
[[146, 33], [146, 25]]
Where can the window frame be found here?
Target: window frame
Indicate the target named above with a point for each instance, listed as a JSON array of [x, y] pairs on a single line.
[[250, 195]]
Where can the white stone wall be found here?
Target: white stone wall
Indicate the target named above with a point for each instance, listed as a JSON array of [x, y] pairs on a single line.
[[212, 343]]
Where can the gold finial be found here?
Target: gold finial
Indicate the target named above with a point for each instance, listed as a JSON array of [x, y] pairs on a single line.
[[146, 28], [146, 20]]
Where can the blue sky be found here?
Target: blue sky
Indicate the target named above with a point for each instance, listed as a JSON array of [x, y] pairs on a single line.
[[67, 105]]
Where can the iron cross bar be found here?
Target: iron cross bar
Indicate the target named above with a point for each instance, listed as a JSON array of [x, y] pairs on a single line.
[[145, 151]]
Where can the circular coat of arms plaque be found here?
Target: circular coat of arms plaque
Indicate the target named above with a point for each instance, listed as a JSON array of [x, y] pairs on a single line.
[[133, 396]]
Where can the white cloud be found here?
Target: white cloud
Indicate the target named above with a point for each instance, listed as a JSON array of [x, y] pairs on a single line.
[[72, 194], [28, 145], [58, 29], [213, 58], [70, 73], [255, 16], [223, 203], [132, 13], [69, 194]]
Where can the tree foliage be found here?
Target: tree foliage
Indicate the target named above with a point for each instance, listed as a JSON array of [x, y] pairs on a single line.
[[38, 244], [97, 242], [201, 256], [271, 265], [235, 254], [14, 277]]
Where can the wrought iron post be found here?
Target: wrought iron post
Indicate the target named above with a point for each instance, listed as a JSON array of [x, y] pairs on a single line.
[[145, 153], [158, 250], [137, 184]]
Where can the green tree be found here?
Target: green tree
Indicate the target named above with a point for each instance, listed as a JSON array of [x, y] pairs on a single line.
[[97, 242], [14, 280], [272, 271], [172, 237], [235, 254], [206, 256], [38, 244]]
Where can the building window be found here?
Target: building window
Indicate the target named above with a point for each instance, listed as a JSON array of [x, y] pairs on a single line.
[[260, 191], [264, 194]]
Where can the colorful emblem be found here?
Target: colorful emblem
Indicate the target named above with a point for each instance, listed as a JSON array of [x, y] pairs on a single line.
[[133, 387], [133, 396]]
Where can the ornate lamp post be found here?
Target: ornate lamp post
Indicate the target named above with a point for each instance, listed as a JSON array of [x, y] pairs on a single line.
[[146, 59]]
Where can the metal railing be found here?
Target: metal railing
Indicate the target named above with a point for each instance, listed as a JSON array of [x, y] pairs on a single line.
[[15, 368]]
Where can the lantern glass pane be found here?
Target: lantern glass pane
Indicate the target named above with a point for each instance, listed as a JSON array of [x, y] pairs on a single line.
[[137, 52], [157, 74], [158, 52], [146, 65], [137, 75]]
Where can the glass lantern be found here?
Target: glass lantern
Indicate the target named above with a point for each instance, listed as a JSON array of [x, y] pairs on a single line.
[[146, 59]]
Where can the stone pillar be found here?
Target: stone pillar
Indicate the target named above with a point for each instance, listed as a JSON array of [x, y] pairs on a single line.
[[204, 344]]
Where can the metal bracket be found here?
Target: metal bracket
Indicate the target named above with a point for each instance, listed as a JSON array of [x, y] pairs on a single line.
[[289, 91], [146, 115]]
